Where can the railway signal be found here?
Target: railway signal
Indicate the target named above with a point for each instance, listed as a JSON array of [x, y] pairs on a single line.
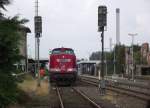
[[38, 25], [102, 18], [102, 23], [38, 32]]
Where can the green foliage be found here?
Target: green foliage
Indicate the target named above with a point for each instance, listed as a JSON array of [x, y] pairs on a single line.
[[8, 91], [136, 48], [137, 57], [95, 56], [120, 58], [9, 55], [137, 54]]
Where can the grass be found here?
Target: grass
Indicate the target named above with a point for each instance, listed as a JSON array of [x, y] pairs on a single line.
[[30, 93]]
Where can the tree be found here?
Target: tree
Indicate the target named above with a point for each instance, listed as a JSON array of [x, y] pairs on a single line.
[[95, 56], [9, 55], [120, 58], [137, 54], [3, 3]]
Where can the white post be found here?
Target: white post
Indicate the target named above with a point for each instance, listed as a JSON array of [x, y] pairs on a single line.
[[132, 35]]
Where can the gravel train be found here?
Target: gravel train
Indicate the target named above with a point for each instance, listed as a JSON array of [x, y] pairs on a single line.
[[62, 65]]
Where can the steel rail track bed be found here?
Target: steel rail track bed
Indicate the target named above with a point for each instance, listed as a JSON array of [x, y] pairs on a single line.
[[122, 90], [70, 97]]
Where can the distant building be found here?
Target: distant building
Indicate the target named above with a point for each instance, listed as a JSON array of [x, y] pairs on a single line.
[[42, 61], [148, 58], [144, 51], [144, 68], [23, 65], [89, 67]]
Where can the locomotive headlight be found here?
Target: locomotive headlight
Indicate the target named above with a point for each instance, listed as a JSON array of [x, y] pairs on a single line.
[[58, 60], [55, 69], [71, 69], [68, 60]]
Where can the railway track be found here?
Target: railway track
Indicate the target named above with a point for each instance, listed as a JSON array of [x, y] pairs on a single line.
[[70, 97], [122, 90]]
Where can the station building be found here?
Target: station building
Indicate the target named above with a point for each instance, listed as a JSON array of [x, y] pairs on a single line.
[[139, 69], [88, 67], [32, 63], [23, 64]]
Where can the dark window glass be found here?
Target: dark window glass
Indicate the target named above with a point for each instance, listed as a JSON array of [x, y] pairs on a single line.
[[56, 51], [66, 51]]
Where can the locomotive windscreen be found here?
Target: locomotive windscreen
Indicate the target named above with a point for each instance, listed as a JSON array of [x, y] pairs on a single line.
[[64, 51]]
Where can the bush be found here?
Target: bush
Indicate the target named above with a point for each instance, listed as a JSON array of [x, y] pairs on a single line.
[[9, 55]]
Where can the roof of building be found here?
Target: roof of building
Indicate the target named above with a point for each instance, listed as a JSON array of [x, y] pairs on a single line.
[[31, 60], [89, 62], [26, 29]]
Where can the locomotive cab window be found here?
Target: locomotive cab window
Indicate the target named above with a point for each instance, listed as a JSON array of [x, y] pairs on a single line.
[[63, 51], [68, 51], [56, 51]]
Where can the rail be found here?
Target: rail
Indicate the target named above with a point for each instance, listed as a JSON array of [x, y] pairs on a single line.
[[81, 94], [60, 98], [115, 86], [120, 82], [87, 98]]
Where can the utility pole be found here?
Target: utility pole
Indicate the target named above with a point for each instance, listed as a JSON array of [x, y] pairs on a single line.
[[106, 70], [102, 55], [117, 26], [110, 44], [132, 35], [38, 33], [106, 64], [114, 60]]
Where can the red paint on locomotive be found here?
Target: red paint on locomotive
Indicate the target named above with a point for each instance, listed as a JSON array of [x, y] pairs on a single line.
[[62, 65]]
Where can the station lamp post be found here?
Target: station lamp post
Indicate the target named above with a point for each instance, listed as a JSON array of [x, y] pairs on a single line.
[[132, 35]]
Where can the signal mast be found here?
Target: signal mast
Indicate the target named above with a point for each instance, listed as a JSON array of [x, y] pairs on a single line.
[[38, 34]]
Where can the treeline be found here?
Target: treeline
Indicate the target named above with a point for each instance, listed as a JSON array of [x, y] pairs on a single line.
[[120, 59], [9, 55]]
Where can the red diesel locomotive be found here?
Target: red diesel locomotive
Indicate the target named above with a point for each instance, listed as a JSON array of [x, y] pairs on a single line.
[[62, 65]]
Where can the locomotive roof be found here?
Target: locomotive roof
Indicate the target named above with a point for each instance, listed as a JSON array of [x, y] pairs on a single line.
[[62, 49]]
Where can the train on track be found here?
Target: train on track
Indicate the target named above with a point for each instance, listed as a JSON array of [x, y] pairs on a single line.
[[62, 65]]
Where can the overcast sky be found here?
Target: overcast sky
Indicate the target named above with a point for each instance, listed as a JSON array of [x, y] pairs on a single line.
[[73, 23]]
